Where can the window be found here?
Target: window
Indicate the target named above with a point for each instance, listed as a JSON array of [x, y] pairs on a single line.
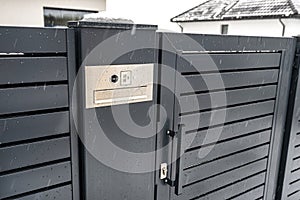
[[60, 17], [224, 29]]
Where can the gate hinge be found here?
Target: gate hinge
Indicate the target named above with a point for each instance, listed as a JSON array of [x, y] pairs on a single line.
[[171, 133], [164, 175]]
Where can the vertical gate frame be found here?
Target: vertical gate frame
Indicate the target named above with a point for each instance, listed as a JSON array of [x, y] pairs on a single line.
[[71, 54], [289, 132]]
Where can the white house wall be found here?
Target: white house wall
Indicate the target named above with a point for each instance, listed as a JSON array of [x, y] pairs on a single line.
[[30, 12], [292, 27], [266, 27]]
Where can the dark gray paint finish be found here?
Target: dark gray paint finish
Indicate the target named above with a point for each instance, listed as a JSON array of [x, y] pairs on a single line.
[[226, 43], [217, 182], [99, 180], [232, 114], [116, 42], [25, 155], [166, 100], [224, 164], [237, 188], [34, 79], [195, 157], [216, 43], [16, 100], [230, 131], [178, 43], [296, 164], [230, 80], [106, 183], [279, 120], [223, 62], [37, 178], [73, 130], [254, 193], [16, 70], [32, 40], [61, 193], [33, 126], [288, 186], [233, 97]]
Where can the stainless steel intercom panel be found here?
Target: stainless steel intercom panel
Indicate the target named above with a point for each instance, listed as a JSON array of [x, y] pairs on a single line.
[[118, 84]]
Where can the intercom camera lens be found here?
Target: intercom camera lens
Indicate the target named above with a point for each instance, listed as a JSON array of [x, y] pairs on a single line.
[[114, 78]]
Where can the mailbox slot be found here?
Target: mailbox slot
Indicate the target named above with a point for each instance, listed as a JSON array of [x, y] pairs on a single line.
[[108, 85]]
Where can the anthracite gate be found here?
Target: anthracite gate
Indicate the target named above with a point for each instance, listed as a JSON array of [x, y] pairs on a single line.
[[35, 139], [230, 149]]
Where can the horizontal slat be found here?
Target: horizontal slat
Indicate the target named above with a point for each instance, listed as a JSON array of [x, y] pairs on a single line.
[[16, 100], [232, 190], [294, 188], [33, 126], [216, 117], [296, 164], [297, 140], [213, 62], [61, 193], [204, 101], [26, 181], [30, 70], [214, 183], [210, 82], [209, 153], [224, 164], [32, 40], [217, 43], [253, 194], [34, 153], [296, 152], [294, 196], [295, 176], [213, 135]]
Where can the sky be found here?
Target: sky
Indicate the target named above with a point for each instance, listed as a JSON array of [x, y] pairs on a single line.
[[158, 12]]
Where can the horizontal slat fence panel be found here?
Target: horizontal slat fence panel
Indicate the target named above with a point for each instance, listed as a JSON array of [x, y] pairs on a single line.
[[35, 140], [24, 155], [32, 40], [223, 62], [207, 186], [195, 157], [34, 179], [37, 69], [215, 81], [60, 193], [224, 164], [233, 97], [16, 100], [29, 127], [232, 114], [230, 131], [236, 188]]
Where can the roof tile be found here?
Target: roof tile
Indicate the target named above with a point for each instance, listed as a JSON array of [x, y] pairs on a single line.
[[222, 9]]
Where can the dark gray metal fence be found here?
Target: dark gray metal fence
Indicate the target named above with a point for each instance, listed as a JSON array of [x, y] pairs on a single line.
[[256, 156], [35, 140]]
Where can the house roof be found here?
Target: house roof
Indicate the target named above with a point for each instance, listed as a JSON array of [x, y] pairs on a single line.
[[238, 9]]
